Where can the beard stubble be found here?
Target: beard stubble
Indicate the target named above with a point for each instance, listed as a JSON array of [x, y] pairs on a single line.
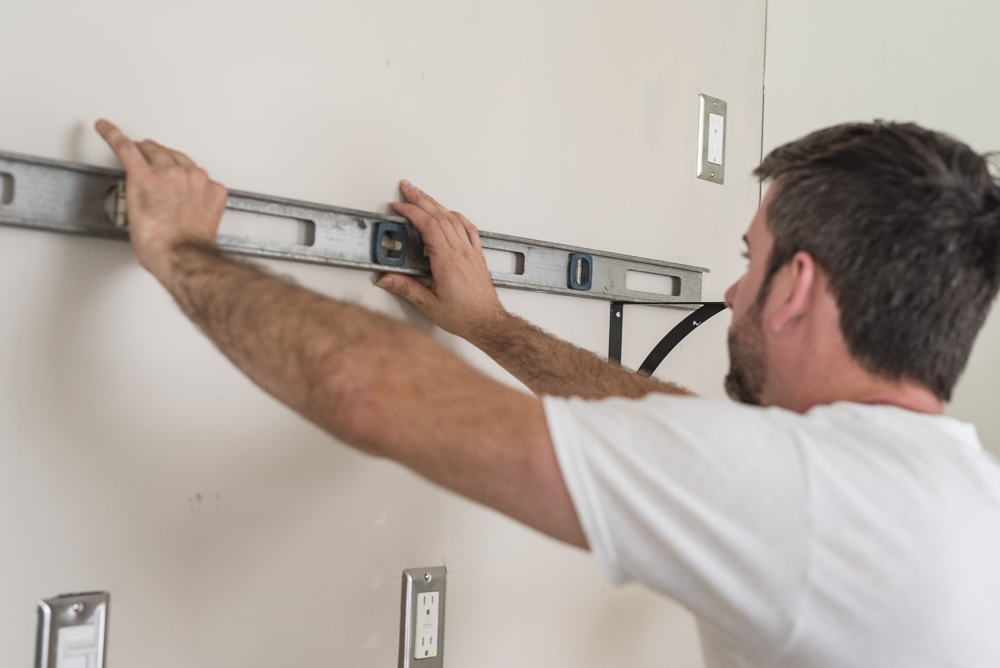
[[747, 358]]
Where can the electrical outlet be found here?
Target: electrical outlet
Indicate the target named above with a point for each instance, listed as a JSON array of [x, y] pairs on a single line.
[[426, 641], [421, 633], [711, 139]]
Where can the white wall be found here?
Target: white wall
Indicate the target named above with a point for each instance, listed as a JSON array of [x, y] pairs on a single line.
[[134, 459], [927, 61]]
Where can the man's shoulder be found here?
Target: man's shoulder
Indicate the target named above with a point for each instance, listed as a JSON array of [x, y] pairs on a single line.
[[872, 423], [878, 427], [841, 434]]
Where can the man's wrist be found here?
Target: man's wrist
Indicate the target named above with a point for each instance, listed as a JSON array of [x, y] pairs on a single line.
[[494, 334], [177, 262]]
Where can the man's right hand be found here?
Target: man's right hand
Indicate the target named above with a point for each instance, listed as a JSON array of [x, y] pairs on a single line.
[[170, 200], [461, 298]]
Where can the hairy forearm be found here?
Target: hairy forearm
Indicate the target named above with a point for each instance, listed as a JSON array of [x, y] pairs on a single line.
[[381, 386], [319, 356], [372, 382], [277, 333], [551, 366]]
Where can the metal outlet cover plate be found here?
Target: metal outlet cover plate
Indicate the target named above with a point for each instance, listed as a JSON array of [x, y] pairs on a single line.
[[418, 581], [708, 170], [71, 631]]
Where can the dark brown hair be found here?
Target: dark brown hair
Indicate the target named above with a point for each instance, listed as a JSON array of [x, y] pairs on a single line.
[[906, 223]]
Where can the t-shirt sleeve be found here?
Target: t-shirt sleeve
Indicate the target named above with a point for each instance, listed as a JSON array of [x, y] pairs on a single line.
[[704, 501]]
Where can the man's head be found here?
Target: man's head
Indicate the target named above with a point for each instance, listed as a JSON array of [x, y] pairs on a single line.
[[888, 234]]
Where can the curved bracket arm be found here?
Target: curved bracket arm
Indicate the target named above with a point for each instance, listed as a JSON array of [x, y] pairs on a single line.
[[668, 342]]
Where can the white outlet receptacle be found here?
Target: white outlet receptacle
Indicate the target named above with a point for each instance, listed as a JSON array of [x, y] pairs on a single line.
[[422, 641], [426, 644]]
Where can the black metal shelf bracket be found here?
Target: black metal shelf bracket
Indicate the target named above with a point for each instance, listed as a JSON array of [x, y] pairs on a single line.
[[668, 342]]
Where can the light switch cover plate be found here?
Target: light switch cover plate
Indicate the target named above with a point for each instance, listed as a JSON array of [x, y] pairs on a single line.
[[72, 630], [711, 139], [421, 632]]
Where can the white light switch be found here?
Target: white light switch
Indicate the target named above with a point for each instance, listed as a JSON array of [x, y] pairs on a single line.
[[77, 646], [716, 124], [711, 139], [72, 630]]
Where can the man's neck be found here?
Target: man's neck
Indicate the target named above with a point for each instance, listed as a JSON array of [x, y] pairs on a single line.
[[906, 396], [861, 390]]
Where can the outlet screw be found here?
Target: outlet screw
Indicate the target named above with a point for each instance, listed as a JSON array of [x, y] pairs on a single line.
[[427, 577], [77, 608]]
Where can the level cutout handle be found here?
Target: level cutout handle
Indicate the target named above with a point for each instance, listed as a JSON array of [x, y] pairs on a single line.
[[6, 188]]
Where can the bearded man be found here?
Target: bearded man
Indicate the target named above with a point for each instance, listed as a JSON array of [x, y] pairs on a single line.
[[832, 517]]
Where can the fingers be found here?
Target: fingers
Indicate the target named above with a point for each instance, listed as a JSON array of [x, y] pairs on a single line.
[[158, 156], [408, 288], [415, 195], [472, 231], [162, 156], [452, 226], [181, 159], [430, 230], [436, 214], [125, 149], [418, 197], [137, 155]]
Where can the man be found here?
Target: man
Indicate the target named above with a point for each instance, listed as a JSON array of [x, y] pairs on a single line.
[[837, 519]]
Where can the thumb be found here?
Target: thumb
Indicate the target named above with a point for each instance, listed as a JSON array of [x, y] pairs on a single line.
[[408, 288]]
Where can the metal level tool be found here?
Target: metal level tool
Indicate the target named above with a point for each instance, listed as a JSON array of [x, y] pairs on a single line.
[[73, 198], [82, 199]]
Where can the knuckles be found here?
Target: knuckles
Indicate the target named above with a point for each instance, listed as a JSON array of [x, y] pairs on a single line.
[[175, 173], [219, 192]]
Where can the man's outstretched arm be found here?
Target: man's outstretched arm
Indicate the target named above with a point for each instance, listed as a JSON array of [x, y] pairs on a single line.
[[373, 382], [461, 299]]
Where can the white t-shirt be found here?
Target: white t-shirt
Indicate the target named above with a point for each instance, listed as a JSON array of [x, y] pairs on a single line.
[[853, 535]]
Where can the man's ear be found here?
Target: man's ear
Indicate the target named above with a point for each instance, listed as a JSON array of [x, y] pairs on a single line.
[[797, 297]]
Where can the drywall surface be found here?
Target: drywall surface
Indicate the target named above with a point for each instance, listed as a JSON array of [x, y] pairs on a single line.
[[135, 459], [925, 61]]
